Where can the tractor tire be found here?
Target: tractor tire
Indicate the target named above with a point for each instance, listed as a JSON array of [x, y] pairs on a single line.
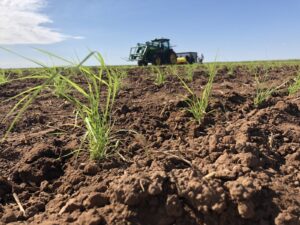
[[173, 58], [157, 60]]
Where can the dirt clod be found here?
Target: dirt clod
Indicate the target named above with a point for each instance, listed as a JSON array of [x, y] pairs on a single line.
[[95, 200]]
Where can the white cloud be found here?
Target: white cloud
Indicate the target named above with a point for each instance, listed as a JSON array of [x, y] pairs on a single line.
[[21, 22]]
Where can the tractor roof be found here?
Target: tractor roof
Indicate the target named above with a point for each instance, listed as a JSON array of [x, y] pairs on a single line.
[[161, 39]]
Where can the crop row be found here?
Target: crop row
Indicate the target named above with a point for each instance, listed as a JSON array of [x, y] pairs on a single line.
[[94, 100]]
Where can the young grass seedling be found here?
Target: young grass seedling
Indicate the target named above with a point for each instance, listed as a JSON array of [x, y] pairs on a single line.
[[190, 69], [160, 75], [198, 105], [295, 87], [172, 70], [100, 87], [262, 93], [60, 86], [3, 77], [230, 67]]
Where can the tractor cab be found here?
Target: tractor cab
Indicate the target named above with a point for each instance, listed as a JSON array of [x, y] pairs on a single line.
[[161, 43]]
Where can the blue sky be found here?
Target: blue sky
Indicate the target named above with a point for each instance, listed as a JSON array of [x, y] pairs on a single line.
[[234, 30]]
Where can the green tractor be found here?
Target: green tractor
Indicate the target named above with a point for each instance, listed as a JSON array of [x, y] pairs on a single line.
[[157, 52]]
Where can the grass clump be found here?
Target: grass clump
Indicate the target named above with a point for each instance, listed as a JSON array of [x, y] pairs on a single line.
[[97, 118], [190, 70], [230, 68], [198, 105], [160, 76], [172, 70], [3, 77], [93, 101], [295, 86], [118, 75], [60, 86], [262, 93]]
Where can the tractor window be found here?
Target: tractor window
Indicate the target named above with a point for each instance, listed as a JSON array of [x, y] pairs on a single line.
[[165, 45], [155, 43]]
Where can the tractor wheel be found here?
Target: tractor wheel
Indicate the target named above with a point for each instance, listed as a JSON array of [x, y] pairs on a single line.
[[173, 58], [157, 60]]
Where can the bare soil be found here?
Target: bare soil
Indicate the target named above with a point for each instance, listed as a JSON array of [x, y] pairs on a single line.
[[240, 166]]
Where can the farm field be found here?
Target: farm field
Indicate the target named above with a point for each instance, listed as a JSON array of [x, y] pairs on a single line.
[[237, 164]]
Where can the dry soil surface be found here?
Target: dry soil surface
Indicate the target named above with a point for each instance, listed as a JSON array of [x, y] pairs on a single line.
[[240, 166]]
